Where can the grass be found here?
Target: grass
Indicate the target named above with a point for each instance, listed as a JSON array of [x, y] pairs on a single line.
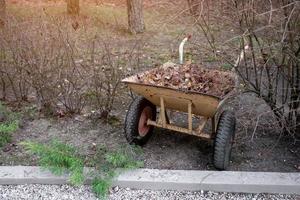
[[102, 19], [60, 158], [4, 139], [210, 58], [112, 163], [100, 187], [226, 66], [6, 130], [9, 125]]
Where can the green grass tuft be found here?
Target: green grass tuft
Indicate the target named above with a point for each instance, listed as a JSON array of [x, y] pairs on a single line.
[[9, 125], [101, 187], [115, 162], [4, 139], [124, 158], [226, 66], [59, 158]]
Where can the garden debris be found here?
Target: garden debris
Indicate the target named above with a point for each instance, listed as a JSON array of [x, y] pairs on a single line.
[[189, 77]]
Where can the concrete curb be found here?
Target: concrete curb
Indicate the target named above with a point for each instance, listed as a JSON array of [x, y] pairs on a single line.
[[219, 181]]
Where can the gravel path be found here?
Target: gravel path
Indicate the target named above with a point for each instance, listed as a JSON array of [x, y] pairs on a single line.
[[65, 192]]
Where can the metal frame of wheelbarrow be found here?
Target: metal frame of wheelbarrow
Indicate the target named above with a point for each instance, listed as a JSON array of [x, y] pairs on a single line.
[[206, 106], [162, 122]]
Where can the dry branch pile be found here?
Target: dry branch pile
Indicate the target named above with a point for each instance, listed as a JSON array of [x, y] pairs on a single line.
[[189, 77]]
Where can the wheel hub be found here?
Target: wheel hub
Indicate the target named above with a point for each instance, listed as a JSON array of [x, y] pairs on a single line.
[[146, 114]]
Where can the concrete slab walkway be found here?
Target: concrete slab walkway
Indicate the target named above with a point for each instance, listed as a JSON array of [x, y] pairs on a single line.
[[153, 179]]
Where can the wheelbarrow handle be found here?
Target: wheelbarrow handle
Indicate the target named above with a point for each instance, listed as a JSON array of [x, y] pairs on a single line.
[[181, 48]]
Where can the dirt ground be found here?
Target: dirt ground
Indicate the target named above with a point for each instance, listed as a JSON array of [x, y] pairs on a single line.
[[263, 151]]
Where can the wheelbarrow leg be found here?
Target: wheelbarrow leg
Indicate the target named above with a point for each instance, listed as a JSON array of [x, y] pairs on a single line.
[[167, 117], [190, 117], [162, 114]]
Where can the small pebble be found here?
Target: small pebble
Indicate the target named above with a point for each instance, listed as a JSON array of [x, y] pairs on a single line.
[[116, 189]]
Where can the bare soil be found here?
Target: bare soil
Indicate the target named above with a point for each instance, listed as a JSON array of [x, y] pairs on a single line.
[[262, 150], [189, 77]]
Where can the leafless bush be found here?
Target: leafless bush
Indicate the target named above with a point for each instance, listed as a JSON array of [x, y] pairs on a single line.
[[108, 64], [64, 68], [42, 56], [14, 80], [268, 37]]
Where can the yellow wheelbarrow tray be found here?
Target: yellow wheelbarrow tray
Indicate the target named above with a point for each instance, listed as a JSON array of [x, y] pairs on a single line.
[[206, 106]]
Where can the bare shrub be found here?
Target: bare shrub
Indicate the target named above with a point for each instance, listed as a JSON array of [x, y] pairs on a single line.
[[14, 79], [65, 68], [108, 64], [267, 35], [41, 55]]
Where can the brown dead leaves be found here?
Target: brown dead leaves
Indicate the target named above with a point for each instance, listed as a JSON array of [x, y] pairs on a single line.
[[189, 77]]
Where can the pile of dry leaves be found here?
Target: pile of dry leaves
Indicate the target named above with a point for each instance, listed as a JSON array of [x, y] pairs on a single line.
[[189, 77]]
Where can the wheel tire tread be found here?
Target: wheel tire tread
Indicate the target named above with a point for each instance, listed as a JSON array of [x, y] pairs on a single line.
[[225, 130], [132, 119]]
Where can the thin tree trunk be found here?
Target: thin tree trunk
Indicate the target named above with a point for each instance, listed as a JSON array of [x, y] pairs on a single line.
[[135, 16], [2, 12], [73, 7]]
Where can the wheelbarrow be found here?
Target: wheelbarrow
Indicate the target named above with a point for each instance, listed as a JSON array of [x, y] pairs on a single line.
[[143, 116]]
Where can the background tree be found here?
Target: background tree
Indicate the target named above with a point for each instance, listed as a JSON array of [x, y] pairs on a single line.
[[135, 16], [73, 7], [2, 12]]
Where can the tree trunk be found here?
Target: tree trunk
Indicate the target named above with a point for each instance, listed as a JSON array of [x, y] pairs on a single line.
[[2, 12], [73, 7], [135, 16]]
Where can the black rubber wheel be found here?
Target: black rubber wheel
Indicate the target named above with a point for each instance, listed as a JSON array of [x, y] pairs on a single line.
[[136, 129], [224, 140]]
